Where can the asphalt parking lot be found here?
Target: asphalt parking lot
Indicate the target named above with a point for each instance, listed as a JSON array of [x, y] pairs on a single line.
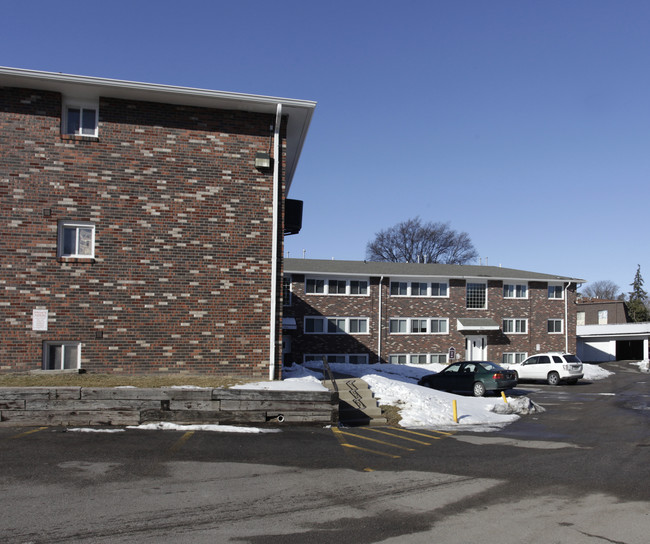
[[575, 473]]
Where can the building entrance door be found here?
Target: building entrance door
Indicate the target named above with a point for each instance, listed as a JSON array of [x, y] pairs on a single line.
[[476, 348]]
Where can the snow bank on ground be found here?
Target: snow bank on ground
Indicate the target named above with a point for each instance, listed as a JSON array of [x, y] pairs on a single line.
[[644, 366], [304, 382], [595, 372], [165, 426], [396, 385]]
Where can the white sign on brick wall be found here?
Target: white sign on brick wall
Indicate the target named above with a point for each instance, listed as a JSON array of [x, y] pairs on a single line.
[[39, 320]]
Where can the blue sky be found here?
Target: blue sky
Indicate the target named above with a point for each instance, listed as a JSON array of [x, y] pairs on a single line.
[[525, 124]]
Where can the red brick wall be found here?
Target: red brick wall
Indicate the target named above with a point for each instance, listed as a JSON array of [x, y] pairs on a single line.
[[537, 308], [181, 281]]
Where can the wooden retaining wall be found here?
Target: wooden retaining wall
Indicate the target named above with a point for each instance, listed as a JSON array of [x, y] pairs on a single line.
[[133, 406]]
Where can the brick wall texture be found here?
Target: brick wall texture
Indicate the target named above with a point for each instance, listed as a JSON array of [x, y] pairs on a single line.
[[537, 309], [181, 279]]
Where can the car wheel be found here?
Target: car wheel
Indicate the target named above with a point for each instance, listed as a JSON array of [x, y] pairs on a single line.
[[479, 389], [553, 378]]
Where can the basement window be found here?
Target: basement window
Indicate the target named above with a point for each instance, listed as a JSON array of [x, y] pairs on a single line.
[[61, 355]]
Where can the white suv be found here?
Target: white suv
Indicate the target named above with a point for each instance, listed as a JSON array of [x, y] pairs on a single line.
[[553, 367]]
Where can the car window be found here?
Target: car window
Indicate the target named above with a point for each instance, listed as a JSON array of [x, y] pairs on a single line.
[[532, 361], [557, 359], [452, 368], [572, 359], [470, 367], [544, 360]]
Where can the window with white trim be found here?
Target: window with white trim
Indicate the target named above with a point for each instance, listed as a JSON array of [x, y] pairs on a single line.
[[81, 118], [61, 355], [417, 358], [76, 239], [418, 289], [351, 358], [513, 357], [336, 286], [418, 325], [602, 317], [580, 318], [476, 296], [336, 325], [555, 326], [515, 290], [555, 291], [515, 326]]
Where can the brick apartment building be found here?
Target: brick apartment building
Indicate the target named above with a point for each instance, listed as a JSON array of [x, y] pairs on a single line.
[[141, 228], [368, 312]]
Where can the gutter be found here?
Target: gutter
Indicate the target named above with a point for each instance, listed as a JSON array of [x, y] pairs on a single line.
[[275, 264], [566, 317], [379, 320]]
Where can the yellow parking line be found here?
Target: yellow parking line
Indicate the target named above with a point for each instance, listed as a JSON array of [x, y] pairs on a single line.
[[373, 440], [428, 435], [400, 437], [28, 432], [346, 445], [179, 443]]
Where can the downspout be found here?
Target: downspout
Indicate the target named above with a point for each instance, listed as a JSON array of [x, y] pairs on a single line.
[[275, 242], [566, 317], [381, 283]]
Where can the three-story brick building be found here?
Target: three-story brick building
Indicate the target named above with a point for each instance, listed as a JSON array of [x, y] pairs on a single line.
[[368, 312], [142, 225]]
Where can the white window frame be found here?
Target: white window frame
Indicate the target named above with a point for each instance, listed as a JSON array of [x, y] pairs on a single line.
[[603, 316], [65, 347], [77, 225], [553, 289], [514, 323], [326, 286], [407, 358], [310, 357], [515, 290], [580, 318], [561, 321], [81, 105], [405, 288], [513, 357], [341, 324], [467, 298], [407, 324]]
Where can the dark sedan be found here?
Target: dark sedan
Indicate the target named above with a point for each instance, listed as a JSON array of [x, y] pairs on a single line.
[[475, 377]]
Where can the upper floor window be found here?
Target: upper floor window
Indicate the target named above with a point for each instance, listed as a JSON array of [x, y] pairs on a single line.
[[476, 296], [554, 325], [333, 286], [80, 118], [418, 325], [555, 291], [518, 290], [580, 318], [418, 289], [602, 317], [76, 239]]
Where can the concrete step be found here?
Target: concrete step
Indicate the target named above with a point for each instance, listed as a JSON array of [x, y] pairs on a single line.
[[357, 404]]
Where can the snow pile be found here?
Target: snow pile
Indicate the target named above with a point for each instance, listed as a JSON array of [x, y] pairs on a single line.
[[644, 366], [165, 426], [595, 372]]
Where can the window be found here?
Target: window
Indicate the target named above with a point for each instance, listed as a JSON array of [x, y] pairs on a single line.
[[315, 287], [554, 326], [417, 358], [438, 289], [76, 239], [418, 289], [580, 318], [476, 296], [515, 291], [337, 287], [336, 325], [286, 291], [358, 287], [413, 325], [513, 358], [555, 291], [333, 286], [399, 289], [515, 326], [355, 358], [61, 355], [602, 317], [80, 119]]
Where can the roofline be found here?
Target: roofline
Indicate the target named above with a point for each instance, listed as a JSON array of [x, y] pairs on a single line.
[[483, 277], [298, 112]]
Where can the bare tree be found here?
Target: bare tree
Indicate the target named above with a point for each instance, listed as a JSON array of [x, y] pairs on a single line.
[[413, 241], [603, 289]]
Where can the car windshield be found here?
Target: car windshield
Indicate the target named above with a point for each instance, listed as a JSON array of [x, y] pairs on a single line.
[[572, 359]]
